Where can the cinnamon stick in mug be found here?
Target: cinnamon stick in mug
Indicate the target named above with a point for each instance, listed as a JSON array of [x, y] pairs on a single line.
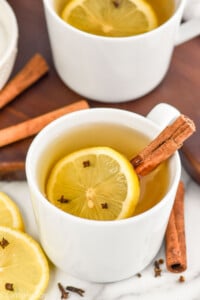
[[176, 260], [34, 69], [32, 126], [164, 145]]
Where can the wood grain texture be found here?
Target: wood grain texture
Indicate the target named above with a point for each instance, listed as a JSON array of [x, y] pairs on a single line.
[[181, 88]]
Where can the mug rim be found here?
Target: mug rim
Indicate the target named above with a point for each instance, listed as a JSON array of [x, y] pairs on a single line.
[[12, 42], [32, 182], [52, 11]]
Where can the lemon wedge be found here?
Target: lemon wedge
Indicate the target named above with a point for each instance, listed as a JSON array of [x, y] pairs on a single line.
[[95, 183], [24, 271], [10, 213], [114, 18]]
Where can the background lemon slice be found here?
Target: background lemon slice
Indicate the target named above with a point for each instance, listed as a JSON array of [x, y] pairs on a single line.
[[24, 271], [9, 213], [94, 183], [115, 18]]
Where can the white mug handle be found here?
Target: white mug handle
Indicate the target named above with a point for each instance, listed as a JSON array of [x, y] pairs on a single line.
[[163, 114], [188, 30]]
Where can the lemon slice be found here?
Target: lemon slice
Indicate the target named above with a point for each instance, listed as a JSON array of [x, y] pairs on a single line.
[[94, 183], [115, 18], [24, 271], [10, 214]]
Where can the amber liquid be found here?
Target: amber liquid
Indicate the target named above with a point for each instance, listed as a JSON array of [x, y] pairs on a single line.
[[163, 9], [121, 138]]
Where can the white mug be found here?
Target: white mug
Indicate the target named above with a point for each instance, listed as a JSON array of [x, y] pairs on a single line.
[[99, 251], [8, 41], [115, 69]]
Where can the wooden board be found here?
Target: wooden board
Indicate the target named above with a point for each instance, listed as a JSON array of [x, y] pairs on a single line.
[[181, 88]]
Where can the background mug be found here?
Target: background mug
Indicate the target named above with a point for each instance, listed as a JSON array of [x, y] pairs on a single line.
[[99, 251], [8, 41], [115, 69]]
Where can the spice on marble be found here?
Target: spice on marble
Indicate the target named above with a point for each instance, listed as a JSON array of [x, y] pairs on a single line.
[[157, 269], [181, 279], [161, 261], [64, 293], [76, 290]]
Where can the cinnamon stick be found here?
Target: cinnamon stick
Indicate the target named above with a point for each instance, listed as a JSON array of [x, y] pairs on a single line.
[[32, 126], [12, 170], [176, 260], [163, 146], [35, 68]]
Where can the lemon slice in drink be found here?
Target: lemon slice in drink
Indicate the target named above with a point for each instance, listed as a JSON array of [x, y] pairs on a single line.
[[9, 213], [94, 183], [24, 271], [115, 18]]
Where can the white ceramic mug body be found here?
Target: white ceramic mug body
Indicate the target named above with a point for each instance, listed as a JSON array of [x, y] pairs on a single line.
[[100, 251], [111, 69]]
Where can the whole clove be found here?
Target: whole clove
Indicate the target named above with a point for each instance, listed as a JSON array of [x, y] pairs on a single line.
[[78, 291], [4, 243], [64, 293]]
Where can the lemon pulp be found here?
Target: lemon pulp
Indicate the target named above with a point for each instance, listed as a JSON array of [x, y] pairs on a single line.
[[115, 18], [24, 270], [95, 183]]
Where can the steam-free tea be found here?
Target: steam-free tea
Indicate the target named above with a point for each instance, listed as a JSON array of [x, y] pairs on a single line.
[[115, 18], [123, 139]]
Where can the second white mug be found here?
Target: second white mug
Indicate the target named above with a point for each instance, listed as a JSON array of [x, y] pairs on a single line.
[[115, 69]]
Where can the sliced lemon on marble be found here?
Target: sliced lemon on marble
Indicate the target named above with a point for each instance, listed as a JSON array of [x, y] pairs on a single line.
[[24, 270], [9, 213], [95, 183], [115, 18]]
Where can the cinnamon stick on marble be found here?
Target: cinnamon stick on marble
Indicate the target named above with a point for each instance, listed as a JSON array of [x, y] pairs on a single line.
[[32, 126], [164, 145], [35, 68], [160, 149], [176, 258]]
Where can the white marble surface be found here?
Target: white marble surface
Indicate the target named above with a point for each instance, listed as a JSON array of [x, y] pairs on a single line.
[[147, 287]]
